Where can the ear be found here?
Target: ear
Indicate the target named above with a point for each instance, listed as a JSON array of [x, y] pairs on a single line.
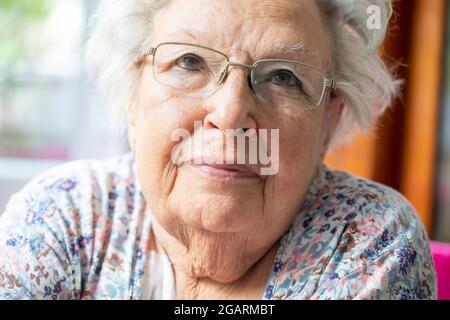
[[332, 115]]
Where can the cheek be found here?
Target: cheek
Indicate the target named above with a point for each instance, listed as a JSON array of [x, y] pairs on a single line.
[[300, 139], [153, 136], [160, 112], [300, 152], [299, 145], [158, 116]]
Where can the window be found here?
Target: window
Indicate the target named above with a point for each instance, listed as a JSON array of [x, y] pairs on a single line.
[[48, 113]]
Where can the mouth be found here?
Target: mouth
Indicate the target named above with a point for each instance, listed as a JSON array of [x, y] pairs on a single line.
[[224, 170]]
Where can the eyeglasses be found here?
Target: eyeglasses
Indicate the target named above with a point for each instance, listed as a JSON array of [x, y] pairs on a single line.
[[200, 70]]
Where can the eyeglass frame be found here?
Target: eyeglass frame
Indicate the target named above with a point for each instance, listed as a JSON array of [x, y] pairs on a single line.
[[328, 83]]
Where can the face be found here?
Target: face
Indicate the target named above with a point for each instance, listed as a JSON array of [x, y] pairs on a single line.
[[214, 213]]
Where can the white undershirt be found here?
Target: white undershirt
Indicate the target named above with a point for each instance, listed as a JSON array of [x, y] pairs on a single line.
[[158, 282]]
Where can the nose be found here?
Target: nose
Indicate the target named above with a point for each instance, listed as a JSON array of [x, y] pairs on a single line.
[[233, 105]]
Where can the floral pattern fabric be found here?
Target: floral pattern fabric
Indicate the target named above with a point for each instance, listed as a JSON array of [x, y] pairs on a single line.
[[80, 231]]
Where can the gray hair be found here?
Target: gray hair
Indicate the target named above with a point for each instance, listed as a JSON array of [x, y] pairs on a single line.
[[121, 28]]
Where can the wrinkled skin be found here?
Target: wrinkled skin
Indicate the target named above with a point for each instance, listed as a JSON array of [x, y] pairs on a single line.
[[221, 233]]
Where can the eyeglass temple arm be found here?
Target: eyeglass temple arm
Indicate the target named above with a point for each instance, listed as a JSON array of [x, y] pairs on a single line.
[[149, 52], [146, 53], [330, 84]]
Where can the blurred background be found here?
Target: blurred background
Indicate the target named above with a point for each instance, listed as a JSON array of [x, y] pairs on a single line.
[[49, 114]]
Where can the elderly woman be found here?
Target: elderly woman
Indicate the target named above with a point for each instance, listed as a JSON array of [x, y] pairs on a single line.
[[179, 217]]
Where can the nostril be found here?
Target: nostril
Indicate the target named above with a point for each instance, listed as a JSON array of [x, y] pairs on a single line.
[[240, 130]]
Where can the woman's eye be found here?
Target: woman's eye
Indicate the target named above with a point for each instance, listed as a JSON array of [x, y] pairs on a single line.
[[285, 78], [190, 62]]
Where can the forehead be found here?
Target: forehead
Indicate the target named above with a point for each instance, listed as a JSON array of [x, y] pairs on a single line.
[[253, 28]]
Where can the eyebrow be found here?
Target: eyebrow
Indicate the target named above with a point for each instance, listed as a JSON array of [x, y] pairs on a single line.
[[285, 48], [274, 51]]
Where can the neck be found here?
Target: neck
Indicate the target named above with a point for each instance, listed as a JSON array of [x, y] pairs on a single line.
[[209, 268], [250, 286]]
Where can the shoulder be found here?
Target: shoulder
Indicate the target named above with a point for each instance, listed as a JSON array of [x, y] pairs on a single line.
[[52, 222], [77, 186], [383, 240], [75, 175], [340, 198], [372, 208], [351, 227], [76, 182]]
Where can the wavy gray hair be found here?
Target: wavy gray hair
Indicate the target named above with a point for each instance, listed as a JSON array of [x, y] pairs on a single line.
[[121, 28]]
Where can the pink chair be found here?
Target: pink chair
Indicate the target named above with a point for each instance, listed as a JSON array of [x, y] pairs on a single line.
[[441, 256]]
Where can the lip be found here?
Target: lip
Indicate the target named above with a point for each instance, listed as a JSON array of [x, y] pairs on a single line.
[[225, 170]]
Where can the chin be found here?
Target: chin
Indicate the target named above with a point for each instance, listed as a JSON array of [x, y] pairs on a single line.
[[221, 223], [218, 213], [205, 204]]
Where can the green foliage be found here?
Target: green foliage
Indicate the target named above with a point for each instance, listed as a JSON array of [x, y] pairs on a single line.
[[20, 24], [36, 9]]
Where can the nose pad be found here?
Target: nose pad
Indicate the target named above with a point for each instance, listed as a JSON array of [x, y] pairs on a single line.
[[250, 84], [224, 72], [223, 75]]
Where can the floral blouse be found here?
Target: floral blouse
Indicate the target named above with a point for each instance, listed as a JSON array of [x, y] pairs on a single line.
[[80, 231]]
